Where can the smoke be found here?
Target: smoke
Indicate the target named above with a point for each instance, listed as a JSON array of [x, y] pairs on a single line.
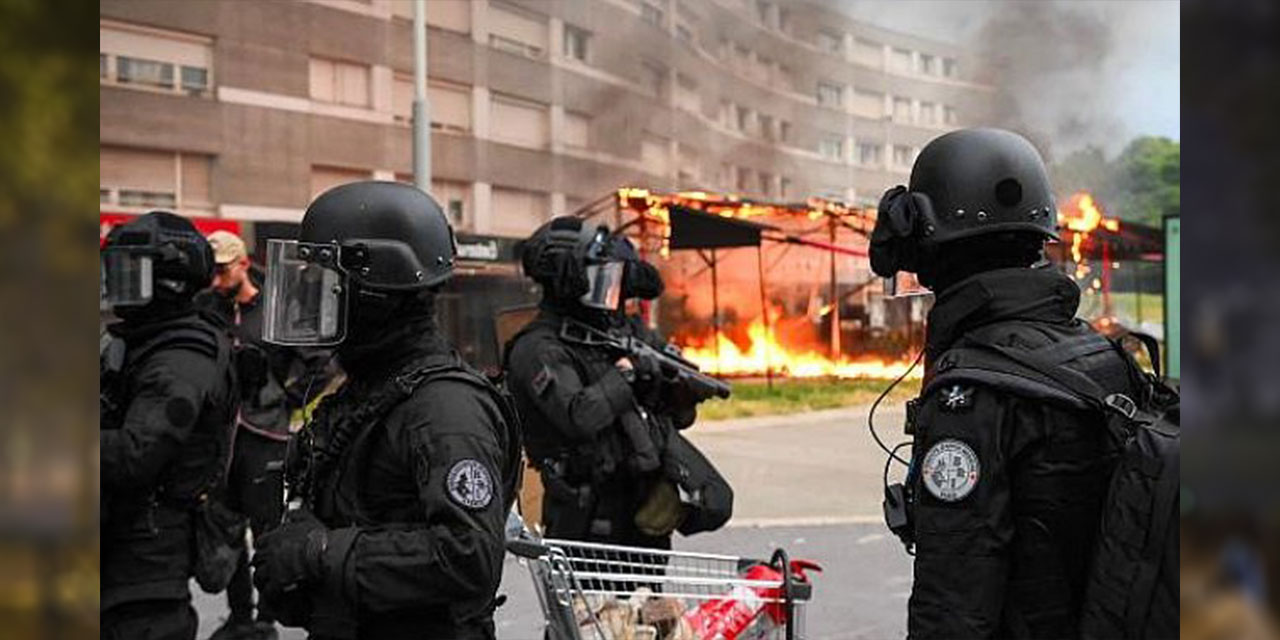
[[1052, 67]]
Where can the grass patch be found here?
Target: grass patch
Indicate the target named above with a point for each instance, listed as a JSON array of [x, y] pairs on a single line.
[[754, 398]]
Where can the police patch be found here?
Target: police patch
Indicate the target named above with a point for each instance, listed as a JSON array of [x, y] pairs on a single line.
[[957, 398], [950, 470], [470, 484]]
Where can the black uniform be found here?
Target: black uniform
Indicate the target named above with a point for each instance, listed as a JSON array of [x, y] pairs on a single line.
[[571, 398], [410, 465], [166, 420], [274, 381], [1009, 477]]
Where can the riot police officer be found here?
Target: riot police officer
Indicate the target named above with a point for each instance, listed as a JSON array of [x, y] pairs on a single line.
[[594, 418], [1008, 471], [168, 402], [404, 476]]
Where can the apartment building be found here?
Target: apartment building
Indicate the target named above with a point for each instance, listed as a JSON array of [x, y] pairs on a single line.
[[243, 111]]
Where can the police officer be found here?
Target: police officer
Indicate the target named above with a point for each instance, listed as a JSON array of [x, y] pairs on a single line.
[[1008, 472], [404, 475], [580, 403], [168, 401], [274, 381]]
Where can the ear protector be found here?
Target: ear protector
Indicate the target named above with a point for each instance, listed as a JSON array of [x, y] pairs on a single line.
[[903, 219]]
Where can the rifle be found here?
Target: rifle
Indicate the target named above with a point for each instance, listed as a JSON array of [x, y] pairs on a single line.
[[674, 366]]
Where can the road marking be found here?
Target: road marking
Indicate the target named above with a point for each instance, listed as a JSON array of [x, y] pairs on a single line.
[[870, 537], [807, 521]]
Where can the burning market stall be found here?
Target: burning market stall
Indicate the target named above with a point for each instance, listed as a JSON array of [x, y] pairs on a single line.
[[807, 311], [1118, 265]]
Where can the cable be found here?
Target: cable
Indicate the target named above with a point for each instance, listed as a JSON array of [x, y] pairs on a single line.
[[871, 415], [888, 461]]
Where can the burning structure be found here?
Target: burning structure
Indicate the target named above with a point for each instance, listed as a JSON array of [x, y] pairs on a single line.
[[760, 288]]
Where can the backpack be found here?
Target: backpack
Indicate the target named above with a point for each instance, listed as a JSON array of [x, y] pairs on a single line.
[[1133, 584]]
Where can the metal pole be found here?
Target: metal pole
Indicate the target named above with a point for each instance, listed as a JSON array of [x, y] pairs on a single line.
[[764, 310], [835, 295], [421, 108], [715, 307]]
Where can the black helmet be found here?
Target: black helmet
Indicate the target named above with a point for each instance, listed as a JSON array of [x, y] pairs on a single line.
[[965, 183], [377, 236], [157, 253], [573, 260]]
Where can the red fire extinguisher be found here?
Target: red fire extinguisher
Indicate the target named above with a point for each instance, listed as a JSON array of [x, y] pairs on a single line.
[[727, 618]]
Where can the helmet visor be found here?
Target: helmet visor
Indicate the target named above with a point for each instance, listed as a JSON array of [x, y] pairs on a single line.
[[126, 278], [604, 286], [306, 293]]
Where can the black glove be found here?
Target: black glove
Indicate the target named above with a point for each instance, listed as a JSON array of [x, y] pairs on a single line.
[[648, 378], [286, 561]]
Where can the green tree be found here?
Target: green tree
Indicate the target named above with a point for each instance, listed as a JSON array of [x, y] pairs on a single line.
[[1141, 184]]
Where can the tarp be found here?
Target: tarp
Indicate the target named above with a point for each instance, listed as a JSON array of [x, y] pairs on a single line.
[[692, 229]]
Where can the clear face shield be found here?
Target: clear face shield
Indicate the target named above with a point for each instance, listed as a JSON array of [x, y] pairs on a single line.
[[306, 294], [126, 278], [604, 286]]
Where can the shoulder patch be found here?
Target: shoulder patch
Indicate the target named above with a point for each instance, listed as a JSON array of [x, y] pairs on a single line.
[[957, 397], [950, 470], [470, 484], [543, 380]]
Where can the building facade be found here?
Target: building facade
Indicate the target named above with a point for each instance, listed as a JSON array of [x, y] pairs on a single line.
[[246, 110]]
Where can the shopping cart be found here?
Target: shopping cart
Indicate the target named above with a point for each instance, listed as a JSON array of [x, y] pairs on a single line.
[[591, 591]]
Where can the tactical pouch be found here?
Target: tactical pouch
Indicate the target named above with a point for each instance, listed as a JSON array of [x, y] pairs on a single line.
[[706, 494], [567, 510], [219, 540]]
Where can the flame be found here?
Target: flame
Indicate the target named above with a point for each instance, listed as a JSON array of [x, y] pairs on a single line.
[[766, 353], [1082, 216]]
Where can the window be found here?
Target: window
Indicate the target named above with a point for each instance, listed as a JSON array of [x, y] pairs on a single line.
[[450, 104], [340, 82], [766, 183], [689, 162], [949, 115], [783, 78], [868, 154], [145, 178], [517, 31], [901, 155], [744, 179], [575, 42], [518, 122], [766, 127], [868, 104], [651, 14], [687, 97], [654, 154], [949, 68], [902, 110], [144, 72], [928, 65], [928, 113], [451, 15], [576, 129], [830, 95], [868, 53], [146, 58], [784, 187], [831, 147], [742, 118], [784, 131], [518, 212], [900, 61], [830, 42], [652, 75], [324, 178], [763, 9], [454, 196], [784, 19]]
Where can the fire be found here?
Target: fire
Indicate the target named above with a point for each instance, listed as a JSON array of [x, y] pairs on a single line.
[[766, 353], [1082, 216]]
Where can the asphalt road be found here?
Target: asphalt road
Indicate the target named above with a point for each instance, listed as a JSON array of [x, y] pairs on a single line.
[[809, 483]]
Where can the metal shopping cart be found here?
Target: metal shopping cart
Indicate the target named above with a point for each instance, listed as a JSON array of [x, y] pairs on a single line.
[[591, 591]]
